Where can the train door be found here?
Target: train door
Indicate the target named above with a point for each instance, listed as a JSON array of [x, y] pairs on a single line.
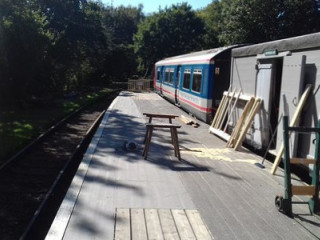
[[268, 84], [157, 81], [262, 120], [177, 85], [162, 76]]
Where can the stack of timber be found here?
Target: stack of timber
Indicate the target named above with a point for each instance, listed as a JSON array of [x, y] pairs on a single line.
[[189, 121], [226, 108], [244, 122], [219, 123]]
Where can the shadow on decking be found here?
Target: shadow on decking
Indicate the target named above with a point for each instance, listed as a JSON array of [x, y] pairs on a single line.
[[308, 218], [309, 222], [176, 165]]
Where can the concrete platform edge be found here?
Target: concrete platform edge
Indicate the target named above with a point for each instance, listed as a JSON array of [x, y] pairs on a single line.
[[61, 220]]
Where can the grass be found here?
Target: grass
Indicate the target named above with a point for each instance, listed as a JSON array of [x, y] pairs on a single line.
[[18, 127]]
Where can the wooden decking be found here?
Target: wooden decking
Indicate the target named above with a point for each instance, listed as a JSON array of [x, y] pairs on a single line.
[[168, 224], [234, 197]]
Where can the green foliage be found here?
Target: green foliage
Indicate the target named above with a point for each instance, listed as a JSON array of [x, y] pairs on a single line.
[[24, 41], [52, 47], [298, 17], [255, 21], [122, 23], [49, 48], [172, 31], [212, 16], [20, 126]]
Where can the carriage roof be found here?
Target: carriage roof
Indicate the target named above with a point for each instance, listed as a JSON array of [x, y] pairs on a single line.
[[309, 41], [201, 57]]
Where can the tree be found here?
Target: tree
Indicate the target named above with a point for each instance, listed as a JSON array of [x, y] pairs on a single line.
[[256, 21], [298, 18], [24, 42], [81, 43], [172, 31], [122, 23], [212, 17]]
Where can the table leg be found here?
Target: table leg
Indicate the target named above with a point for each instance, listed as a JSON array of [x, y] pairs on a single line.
[[177, 143], [147, 145], [173, 141]]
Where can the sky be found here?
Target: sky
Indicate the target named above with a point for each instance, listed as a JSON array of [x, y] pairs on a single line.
[[150, 6]]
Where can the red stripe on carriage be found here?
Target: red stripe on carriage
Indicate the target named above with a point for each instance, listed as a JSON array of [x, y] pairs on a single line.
[[208, 110]]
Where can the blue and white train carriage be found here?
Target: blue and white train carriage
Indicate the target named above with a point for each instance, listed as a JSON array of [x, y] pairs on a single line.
[[195, 81]]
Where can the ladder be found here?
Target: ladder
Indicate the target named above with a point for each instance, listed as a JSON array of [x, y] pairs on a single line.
[[284, 204]]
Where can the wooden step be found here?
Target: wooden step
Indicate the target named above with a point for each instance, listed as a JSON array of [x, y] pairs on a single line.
[[304, 161], [303, 190], [143, 224]]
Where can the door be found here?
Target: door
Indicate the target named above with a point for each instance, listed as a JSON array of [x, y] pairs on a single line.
[[263, 91], [162, 76], [177, 84], [291, 90]]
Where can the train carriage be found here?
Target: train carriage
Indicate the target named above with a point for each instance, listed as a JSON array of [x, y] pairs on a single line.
[[195, 81], [278, 72]]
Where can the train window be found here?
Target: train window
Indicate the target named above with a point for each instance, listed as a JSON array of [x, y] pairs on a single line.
[[196, 83], [167, 76], [171, 75], [158, 75], [186, 78]]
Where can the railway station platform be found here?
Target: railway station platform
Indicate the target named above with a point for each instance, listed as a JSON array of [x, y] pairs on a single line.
[[212, 188]]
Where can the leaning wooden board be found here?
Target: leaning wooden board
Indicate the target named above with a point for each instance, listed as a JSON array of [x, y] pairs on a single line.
[[293, 122], [236, 131], [247, 123]]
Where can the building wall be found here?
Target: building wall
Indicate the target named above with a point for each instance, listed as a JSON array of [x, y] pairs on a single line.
[[243, 76], [311, 112]]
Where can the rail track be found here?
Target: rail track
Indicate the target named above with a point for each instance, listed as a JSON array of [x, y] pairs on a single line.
[[33, 183]]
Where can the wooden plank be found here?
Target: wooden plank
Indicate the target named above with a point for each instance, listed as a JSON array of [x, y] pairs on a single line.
[[223, 107], [217, 112], [246, 121], [169, 229], [232, 109], [188, 121], [303, 190], [122, 229], [158, 115], [293, 122], [199, 228], [247, 124], [304, 161], [163, 125], [224, 97], [243, 97], [153, 224], [185, 120], [224, 110], [138, 225], [220, 133], [183, 225], [237, 128], [228, 107]]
